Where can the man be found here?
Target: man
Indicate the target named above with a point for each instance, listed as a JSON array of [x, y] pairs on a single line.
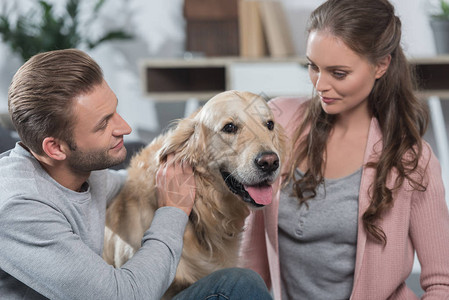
[[55, 188]]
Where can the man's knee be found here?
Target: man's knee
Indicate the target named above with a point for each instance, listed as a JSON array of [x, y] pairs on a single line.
[[242, 278], [231, 283], [245, 275]]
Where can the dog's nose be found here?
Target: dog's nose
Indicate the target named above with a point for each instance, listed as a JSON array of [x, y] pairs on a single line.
[[267, 161]]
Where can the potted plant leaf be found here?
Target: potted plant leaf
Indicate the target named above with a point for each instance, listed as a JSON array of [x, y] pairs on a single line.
[[29, 35], [439, 21]]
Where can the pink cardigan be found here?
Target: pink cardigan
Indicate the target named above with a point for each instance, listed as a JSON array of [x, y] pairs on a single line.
[[418, 221]]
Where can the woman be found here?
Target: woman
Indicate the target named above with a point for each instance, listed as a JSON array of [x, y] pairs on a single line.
[[362, 191]]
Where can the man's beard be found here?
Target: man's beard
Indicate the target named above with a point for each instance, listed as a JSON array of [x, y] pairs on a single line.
[[80, 161]]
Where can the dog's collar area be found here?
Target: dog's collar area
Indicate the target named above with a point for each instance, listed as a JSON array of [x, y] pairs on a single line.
[[238, 188]]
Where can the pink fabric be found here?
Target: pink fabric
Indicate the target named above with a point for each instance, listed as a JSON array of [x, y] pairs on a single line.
[[418, 221]]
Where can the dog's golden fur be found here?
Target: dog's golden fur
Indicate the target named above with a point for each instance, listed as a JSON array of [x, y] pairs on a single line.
[[212, 235]]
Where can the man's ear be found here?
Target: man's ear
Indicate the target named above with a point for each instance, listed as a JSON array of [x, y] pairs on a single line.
[[54, 148], [382, 66]]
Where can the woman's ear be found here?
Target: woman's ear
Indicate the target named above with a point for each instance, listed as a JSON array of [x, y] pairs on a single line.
[[382, 66], [54, 148]]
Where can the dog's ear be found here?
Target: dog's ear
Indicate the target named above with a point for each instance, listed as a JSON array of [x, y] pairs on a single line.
[[186, 141]]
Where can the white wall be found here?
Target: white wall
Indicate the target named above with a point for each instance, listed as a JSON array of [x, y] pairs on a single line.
[[159, 28], [417, 36]]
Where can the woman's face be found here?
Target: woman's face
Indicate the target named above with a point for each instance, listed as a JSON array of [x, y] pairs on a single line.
[[342, 78]]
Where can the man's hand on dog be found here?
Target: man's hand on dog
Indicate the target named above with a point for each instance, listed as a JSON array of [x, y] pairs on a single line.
[[175, 185]]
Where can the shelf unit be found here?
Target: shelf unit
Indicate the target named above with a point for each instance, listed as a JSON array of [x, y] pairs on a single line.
[[433, 76], [202, 78]]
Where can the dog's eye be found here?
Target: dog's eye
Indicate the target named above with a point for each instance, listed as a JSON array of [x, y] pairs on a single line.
[[270, 125], [230, 128]]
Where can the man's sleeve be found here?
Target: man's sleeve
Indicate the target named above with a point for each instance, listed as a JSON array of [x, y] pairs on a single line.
[[39, 248]]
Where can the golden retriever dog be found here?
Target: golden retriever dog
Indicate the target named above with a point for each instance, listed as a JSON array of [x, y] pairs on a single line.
[[235, 149]]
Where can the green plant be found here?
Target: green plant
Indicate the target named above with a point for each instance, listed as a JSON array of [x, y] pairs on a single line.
[[29, 36], [443, 11]]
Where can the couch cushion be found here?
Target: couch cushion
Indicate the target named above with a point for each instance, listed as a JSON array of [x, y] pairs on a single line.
[[6, 140]]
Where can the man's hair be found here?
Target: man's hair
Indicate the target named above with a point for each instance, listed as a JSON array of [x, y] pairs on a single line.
[[41, 94]]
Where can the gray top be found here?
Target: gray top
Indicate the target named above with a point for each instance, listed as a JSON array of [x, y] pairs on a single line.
[[317, 244], [52, 238]]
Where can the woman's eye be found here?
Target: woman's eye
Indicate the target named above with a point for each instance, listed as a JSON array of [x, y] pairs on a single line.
[[270, 125], [230, 128], [339, 75], [312, 67]]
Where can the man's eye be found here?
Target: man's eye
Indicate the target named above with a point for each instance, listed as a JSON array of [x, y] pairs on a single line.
[[230, 128], [102, 126]]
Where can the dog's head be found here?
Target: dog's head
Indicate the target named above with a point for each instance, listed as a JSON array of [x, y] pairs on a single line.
[[233, 137]]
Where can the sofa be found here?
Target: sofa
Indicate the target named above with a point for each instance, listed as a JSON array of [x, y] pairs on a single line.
[[7, 139]]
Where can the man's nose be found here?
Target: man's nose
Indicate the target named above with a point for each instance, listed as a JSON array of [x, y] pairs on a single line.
[[121, 126]]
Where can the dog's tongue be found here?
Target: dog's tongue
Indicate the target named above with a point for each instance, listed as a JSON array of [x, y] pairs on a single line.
[[261, 194]]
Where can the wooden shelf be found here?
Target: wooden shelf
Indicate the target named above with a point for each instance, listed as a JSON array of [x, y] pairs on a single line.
[[433, 75], [425, 94], [202, 78], [199, 78], [429, 60], [186, 79], [182, 96]]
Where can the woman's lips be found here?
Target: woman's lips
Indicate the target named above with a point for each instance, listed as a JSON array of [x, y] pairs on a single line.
[[328, 100]]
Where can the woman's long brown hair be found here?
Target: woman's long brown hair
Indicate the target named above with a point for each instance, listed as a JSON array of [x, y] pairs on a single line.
[[371, 29]]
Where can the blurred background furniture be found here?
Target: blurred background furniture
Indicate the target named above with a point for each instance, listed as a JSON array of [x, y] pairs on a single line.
[[8, 136], [212, 27]]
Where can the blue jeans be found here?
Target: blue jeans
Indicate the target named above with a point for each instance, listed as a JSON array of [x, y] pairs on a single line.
[[233, 284]]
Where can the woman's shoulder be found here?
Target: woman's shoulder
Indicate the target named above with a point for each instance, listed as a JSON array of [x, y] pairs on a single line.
[[428, 158], [428, 168], [288, 103], [288, 109]]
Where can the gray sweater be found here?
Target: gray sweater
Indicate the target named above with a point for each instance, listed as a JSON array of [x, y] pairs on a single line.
[[51, 238], [317, 241]]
